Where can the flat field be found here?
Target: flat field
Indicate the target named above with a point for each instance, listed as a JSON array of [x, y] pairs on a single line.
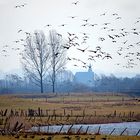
[[101, 104], [61, 109]]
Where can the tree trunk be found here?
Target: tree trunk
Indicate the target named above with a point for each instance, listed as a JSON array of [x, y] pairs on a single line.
[[41, 85], [53, 87]]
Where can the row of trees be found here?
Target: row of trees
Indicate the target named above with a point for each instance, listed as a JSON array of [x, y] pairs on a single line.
[[114, 84], [65, 82], [43, 57], [13, 83]]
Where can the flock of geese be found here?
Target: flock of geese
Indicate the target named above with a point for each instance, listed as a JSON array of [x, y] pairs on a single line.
[[79, 41]]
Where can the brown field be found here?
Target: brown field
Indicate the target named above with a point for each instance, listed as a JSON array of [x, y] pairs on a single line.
[[68, 109], [72, 137]]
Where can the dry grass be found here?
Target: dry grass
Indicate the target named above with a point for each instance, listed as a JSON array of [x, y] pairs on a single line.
[[97, 108], [102, 104]]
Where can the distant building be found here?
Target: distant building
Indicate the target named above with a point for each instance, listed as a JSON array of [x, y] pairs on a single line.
[[86, 78]]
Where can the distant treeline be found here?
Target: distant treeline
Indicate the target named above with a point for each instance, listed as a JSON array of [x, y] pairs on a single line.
[[13, 83]]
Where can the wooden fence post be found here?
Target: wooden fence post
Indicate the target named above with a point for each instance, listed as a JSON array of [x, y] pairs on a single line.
[[78, 132], [112, 131], [87, 130], [138, 132], [98, 132], [60, 129], [69, 129], [5, 112], [64, 112], [47, 113], [115, 113], [39, 113], [123, 131]]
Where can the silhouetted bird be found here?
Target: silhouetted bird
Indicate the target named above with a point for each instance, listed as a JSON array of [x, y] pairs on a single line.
[[138, 43], [122, 34], [75, 3], [119, 53], [137, 21], [93, 25], [77, 44], [107, 56], [124, 42], [68, 58], [103, 14], [122, 29], [82, 50], [70, 34], [136, 33], [92, 59], [134, 29], [116, 35], [98, 55], [24, 4], [115, 14], [101, 38], [111, 30], [92, 51], [138, 54], [70, 39], [104, 28], [4, 51], [106, 23], [86, 20], [130, 45], [75, 65], [27, 33], [19, 31], [114, 41], [118, 18], [84, 33], [98, 48], [84, 67], [21, 39], [59, 34], [72, 17], [66, 47], [84, 24], [19, 6], [48, 25], [62, 25], [111, 37], [16, 41]]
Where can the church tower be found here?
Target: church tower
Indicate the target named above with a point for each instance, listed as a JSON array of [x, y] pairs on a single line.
[[90, 68], [86, 78]]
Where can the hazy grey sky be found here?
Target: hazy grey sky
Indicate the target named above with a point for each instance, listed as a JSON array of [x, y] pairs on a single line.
[[38, 13]]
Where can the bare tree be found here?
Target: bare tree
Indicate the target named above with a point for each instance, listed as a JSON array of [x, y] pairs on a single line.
[[35, 57], [58, 56]]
